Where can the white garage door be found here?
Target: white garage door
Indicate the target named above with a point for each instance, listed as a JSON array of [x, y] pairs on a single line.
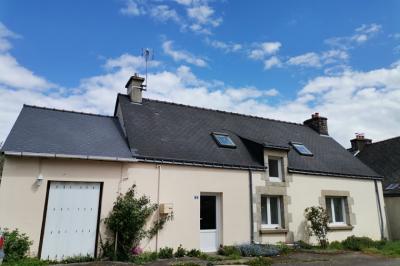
[[71, 220]]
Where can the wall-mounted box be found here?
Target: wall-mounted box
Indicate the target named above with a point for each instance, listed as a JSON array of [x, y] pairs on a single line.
[[166, 208]]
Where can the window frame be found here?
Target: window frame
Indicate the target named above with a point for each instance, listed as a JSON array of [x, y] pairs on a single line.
[[220, 144], [269, 225], [278, 178], [332, 210], [295, 144]]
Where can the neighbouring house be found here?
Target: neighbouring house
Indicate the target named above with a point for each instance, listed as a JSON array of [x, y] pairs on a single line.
[[384, 158], [228, 178]]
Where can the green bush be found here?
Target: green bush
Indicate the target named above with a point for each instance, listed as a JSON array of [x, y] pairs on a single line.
[[144, 258], [283, 248], [391, 248], [229, 251], [260, 261], [180, 252], [166, 253], [16, 245], [318, 219], [26, 262], [186, 264], [77, 259], [358, 243], [336, 245], [303, 245], [194, 253]]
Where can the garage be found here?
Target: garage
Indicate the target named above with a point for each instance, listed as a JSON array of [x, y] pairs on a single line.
[[71, 218]]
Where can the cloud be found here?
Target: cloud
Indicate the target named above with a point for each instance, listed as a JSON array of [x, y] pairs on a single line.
[[306, 60], [273, 61], [164, 13], [316, 60], [264, 49], [6, 34], [182, 55], [133, 8], [360, 35], [227, 47]]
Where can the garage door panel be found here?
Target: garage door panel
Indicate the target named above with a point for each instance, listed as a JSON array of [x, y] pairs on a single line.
[[71, 220]]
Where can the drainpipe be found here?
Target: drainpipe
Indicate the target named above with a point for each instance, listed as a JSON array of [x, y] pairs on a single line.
[[379, 209], [251, 206], [158, 201]]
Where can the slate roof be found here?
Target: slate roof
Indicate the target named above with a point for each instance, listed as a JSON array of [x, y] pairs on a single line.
[[50, 131], [384, 158], [167, 131]]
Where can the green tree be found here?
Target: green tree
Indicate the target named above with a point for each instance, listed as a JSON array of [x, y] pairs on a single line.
[[127, 221], [318, 224]]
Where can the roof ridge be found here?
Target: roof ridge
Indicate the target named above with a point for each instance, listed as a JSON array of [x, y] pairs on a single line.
[[66, 111], [225, 112], [379, 142]]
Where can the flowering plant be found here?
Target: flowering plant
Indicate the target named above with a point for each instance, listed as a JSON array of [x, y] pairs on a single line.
[[136, 251]]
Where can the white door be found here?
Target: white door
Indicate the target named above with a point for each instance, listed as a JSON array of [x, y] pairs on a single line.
[[209, 223], [71, 220]]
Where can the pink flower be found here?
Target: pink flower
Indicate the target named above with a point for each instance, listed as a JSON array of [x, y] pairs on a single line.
[[136, 251]]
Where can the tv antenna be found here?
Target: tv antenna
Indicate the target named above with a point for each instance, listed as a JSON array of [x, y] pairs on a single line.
[[148, 54]]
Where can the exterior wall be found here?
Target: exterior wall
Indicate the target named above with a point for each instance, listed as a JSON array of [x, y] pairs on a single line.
[[22, 201], [393, 216]]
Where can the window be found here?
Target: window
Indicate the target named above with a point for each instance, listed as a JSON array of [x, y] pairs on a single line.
[[275, 169], [224, 140], [271, 212], [335, 207], [301, 149]]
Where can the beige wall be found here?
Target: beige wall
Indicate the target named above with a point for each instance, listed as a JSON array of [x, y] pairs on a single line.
[[22, 202], [393, 216]]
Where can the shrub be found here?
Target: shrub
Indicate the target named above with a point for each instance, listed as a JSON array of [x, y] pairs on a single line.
[[27, 262], [283, 248], [77, 259], [194, 253], [127, 220], [16, 245], [186, 264], [260, 261], [229, 251], [335, 245], [166, 253], [257, 250], [180, 252], [358, 243], [318, 224], [144, 258], [303, 245]]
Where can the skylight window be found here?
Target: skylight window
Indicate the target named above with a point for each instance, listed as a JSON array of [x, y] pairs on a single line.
[[301, 149], [224, 140]]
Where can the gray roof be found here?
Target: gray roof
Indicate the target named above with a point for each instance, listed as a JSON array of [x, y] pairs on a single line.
[[174, 132], [50, 131], [384, 158]]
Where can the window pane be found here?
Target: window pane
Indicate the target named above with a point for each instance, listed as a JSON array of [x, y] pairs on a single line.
[[208, 217], [224, 140], [301, 149], [273, 168], [329, 209], [337, 204], [264, 210], [274, 210]]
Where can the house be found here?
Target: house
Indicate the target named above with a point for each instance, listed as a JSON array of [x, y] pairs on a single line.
[[228, 178], [384, 158]]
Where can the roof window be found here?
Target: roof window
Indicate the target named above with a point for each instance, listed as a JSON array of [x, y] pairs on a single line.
[[301, 149], [223, 140]]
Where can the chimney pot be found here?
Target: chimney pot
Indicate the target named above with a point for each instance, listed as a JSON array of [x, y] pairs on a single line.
[[359, 142], [318, 123], [135, 88]]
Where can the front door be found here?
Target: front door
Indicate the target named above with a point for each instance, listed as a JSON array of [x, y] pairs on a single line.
[[209, 223]]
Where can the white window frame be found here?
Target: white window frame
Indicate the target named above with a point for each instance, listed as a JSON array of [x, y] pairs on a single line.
[[278, 178], [334, 222], [269, 225]]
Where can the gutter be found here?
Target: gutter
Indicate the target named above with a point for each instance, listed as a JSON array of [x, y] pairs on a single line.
[[69, 156], [291, 170]]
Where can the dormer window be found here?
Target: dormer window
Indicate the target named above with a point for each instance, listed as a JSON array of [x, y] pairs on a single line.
[[301, 149], [223, 140]]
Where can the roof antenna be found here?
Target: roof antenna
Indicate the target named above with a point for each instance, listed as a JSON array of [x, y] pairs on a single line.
[[148, 55]]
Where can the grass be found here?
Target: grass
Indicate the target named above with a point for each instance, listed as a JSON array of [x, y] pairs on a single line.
[[390, 249]]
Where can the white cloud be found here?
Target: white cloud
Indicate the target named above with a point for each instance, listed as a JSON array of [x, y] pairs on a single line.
[[360, 35], [164, 13], [264, 49], [305, 60], [273, 61], [133, 8], [182, 55], [227, 47], [316, 60], [6, 34]]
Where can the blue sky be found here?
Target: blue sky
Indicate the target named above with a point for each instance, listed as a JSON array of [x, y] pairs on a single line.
[[277, 59]]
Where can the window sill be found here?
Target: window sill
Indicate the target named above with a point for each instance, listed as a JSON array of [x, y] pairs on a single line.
[[340, 227], [273, 231]]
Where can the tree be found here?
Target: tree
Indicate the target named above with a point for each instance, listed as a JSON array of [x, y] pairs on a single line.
[[318, 224], [127, 221]]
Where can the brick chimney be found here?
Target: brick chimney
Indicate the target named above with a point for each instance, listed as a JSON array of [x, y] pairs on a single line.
[[135, 88], [359, 142], [318, 123]]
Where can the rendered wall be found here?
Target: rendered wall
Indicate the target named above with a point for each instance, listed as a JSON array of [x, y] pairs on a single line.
[[393, 216]]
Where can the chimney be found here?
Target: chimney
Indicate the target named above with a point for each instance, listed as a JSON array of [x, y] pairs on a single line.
[[134, 88], [358, 143], [318, 123]]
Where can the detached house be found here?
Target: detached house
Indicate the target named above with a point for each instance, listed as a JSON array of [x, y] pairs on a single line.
[[384, 158], [228, 178]]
